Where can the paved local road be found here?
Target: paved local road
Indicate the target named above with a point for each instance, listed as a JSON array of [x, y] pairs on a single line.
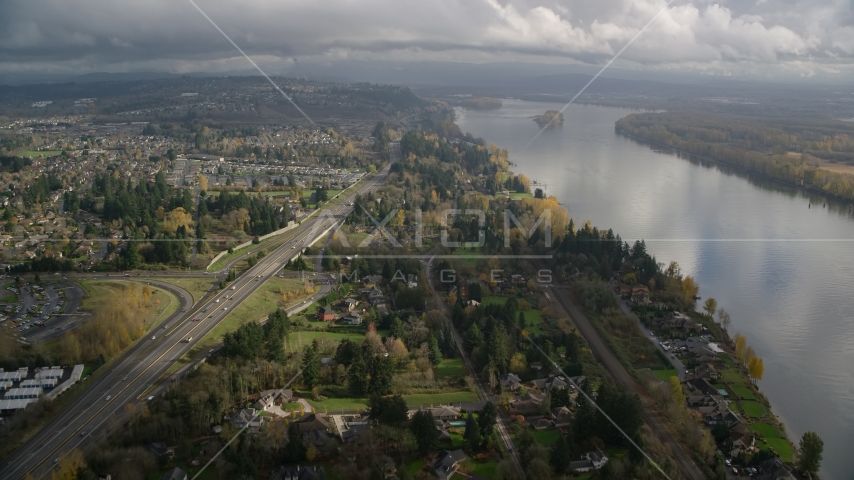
[[609, 360], [502, 423], [680, 368], [126, 382]]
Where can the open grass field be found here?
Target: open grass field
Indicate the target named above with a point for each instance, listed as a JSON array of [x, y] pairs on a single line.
[[299, 340], [731, 376], [446, 398], [753, 409], [33, 153], [450, 367], [497, 301], [545, 437], [533, 318], [104, 292], [263, 301], [337, 404]]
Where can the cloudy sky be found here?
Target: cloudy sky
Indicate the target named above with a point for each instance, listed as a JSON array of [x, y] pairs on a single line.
[[796, 38]]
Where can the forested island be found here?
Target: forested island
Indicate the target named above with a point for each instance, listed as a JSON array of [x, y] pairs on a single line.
[[550, 118], [783, 151]]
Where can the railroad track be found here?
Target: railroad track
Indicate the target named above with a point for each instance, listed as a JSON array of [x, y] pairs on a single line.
[[607, 358]]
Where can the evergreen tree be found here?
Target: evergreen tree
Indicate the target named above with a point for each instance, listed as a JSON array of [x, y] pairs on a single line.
[[311, 368], [434, 352], [295, 449], [472, 433], [561, 454], [424, 430], [486, 420]]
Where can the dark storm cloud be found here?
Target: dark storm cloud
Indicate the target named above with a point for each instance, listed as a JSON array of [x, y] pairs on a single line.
[[790, 36]]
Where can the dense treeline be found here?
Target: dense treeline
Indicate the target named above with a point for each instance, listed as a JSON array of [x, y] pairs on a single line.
[[255, 215], [755, 148], [13, 164], [150, 210]]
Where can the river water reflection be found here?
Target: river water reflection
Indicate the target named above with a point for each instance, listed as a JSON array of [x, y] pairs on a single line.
[[779, 260]]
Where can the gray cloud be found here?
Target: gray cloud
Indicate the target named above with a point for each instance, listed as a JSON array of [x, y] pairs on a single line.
[[727, 37]]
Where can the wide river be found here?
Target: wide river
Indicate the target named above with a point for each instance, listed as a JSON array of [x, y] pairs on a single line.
[[776, 258]]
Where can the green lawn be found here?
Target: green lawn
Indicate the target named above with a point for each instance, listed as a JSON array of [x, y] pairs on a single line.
[[731, 376], [415, 467], [765, 429], [485, 469], [333, 404], [743, 391], [420, 399], [773, 440], [450, 367], [263, 301], [298, 340], [545, 437], [664, 375], [46, 153], [727, 360], [753, 409], [519, 196], [497, 301], [435, 399]]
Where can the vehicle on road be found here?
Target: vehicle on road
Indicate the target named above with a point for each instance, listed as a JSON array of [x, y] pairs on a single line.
[[196, 319], [150, 398], [188, 339], [233, 288], [165, 327], [108, 398], [211, 350], [224, 308], [153, 337], [82, 434], [56, 460]]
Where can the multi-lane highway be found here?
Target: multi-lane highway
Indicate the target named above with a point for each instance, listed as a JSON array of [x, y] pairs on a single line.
[[132, 374]]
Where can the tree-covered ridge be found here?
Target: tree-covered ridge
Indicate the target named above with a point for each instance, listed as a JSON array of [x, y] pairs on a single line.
[[780, 152]]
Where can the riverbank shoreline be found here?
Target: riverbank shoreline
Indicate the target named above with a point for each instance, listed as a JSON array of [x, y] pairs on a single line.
[[802, 188]]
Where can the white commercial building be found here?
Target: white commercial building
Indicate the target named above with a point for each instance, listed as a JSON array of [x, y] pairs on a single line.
[[23, 393]]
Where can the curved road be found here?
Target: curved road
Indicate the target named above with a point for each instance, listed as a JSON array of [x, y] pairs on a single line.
[[126, 383]]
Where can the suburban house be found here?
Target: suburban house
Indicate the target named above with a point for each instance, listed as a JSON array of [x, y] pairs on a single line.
[[528, 404], [707, 371], [678, 322], [445, 414], [589, 461], [269, 398], [244, 419], [509, 382], [547, 384], [325, 314], [703, 386], [348, 304], [160, 449], [351, 319], [447, 463], [774, 469], [174, 474], [562, 417], [299, 473]]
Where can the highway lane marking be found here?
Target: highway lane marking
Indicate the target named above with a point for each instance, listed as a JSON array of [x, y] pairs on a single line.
[[249, 281]]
